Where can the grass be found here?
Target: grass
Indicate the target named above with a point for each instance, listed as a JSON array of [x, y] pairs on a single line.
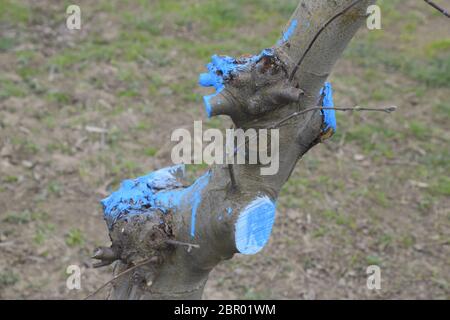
[[8, 278], [419, 130], [14, 13], [380, 198], [75, 238], [339, 219], [146, 36], [430, 65], [43, 232], [54, 187], [252, 294], [216, 15], [438, 47], [18, 218], [6, 44], [432, 72], [442, 186], [26, 145], [61, 98], [86, 52], [11, 89], [373, 260], [10, 179], [442, 108], [151, 152], [374, 139]]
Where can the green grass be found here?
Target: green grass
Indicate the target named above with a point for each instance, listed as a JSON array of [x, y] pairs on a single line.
[[429, 65], [75, 238], [385, 240], [214, 15], [54, 187], [8, 278], [185, 90], [18, 218], [6, 43], [374, 139], [442, 108], [340, 219], [438, 47], [407, 240], [59, 97], [43, 232], [380, 198], [10, 89], [442, 186], [374, 260], [10, 179], [150, 151], [436, 161], [419, 130], [26, 145], [13, 12], [56, 146], [320, 232], [433, 72], [252, 294]]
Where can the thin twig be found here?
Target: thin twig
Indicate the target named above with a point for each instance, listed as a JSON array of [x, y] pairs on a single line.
[[179, 243], [438, 8], [96, 129], [152, 259], [298, 113]]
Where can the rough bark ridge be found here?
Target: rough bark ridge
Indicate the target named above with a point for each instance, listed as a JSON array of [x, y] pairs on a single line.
[[150, 218]]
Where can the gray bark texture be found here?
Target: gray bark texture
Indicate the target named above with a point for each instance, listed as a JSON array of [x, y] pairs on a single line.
[[262, 96]]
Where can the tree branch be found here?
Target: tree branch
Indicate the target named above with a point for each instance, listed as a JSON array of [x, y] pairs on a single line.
[[438, 8], [150, 214]]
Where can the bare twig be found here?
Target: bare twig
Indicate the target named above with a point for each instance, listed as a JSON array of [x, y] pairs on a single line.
[[152, 259], [438, 8], [298, 113], [95, 129], [179, 243]]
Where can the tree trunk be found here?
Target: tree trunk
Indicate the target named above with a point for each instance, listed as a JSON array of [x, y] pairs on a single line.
[[231, 208]]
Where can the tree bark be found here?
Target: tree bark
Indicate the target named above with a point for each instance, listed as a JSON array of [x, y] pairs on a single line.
[[226, 212]]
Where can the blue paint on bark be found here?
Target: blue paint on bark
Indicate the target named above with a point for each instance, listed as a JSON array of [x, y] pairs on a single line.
[[254, 225], [196, 198], [328, 115], [289, 32], [159, 190], [223, 68]]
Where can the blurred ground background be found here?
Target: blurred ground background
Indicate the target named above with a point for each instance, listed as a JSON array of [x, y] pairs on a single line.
[[377, 193]]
